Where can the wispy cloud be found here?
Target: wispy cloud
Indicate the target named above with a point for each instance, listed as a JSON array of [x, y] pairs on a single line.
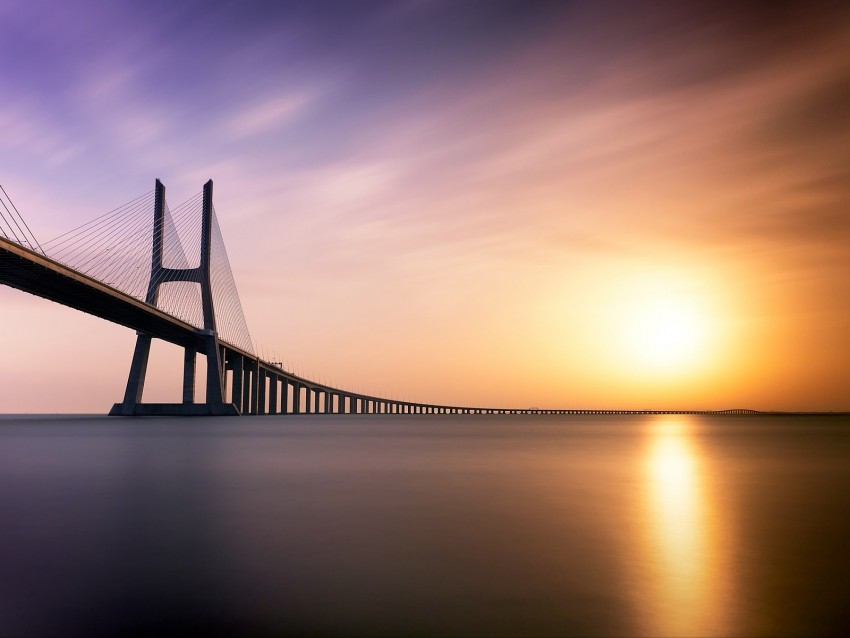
[[268, 116], [29, 133]]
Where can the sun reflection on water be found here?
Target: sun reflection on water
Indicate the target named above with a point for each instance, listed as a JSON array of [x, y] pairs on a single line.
[[684, 570]]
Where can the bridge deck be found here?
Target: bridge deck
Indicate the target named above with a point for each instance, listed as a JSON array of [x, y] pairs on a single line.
[[39, 275]]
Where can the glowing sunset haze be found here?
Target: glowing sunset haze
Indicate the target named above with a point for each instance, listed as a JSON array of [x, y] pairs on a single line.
[[565, 204]]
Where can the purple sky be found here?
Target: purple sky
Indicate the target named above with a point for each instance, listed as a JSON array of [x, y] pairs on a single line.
[[472, 202]]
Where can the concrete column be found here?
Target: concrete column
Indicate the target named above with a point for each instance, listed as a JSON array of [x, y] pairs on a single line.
[[215, 392], [261, 390], [189, 375], [247, 384], [273, 383], [138, 371], [284, 396], [236, 390], [255, 387], [296, 398]]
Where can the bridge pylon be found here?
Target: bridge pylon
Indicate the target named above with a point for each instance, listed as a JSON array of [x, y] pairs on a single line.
[[132, 404]]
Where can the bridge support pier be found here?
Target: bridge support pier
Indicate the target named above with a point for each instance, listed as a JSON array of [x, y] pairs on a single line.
[[247, 385], [136, 379], [236, 390], [261, 390], [189, 362], [273, 383]]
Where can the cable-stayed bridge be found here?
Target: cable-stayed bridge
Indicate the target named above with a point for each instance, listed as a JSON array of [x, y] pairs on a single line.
[[165, 273]]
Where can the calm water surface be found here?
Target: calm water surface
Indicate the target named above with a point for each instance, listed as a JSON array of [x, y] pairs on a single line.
[[590, 526]]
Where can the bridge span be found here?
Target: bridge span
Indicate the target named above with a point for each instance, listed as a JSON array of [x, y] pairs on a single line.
[[237, 380]]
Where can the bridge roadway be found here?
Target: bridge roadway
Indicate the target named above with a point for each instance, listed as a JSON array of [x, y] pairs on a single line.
[[254, 386]]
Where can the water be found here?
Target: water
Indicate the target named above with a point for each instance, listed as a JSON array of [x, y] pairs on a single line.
[[496, 526]]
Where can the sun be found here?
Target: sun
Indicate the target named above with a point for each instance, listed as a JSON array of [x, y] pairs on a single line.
[[667, 334]]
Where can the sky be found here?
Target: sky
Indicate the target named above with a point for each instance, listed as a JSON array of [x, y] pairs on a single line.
[[509, 204]]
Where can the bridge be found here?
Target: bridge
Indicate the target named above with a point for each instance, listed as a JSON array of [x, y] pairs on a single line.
[[131, 266]]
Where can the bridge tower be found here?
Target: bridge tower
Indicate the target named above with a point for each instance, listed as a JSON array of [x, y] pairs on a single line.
[[214, 404]]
